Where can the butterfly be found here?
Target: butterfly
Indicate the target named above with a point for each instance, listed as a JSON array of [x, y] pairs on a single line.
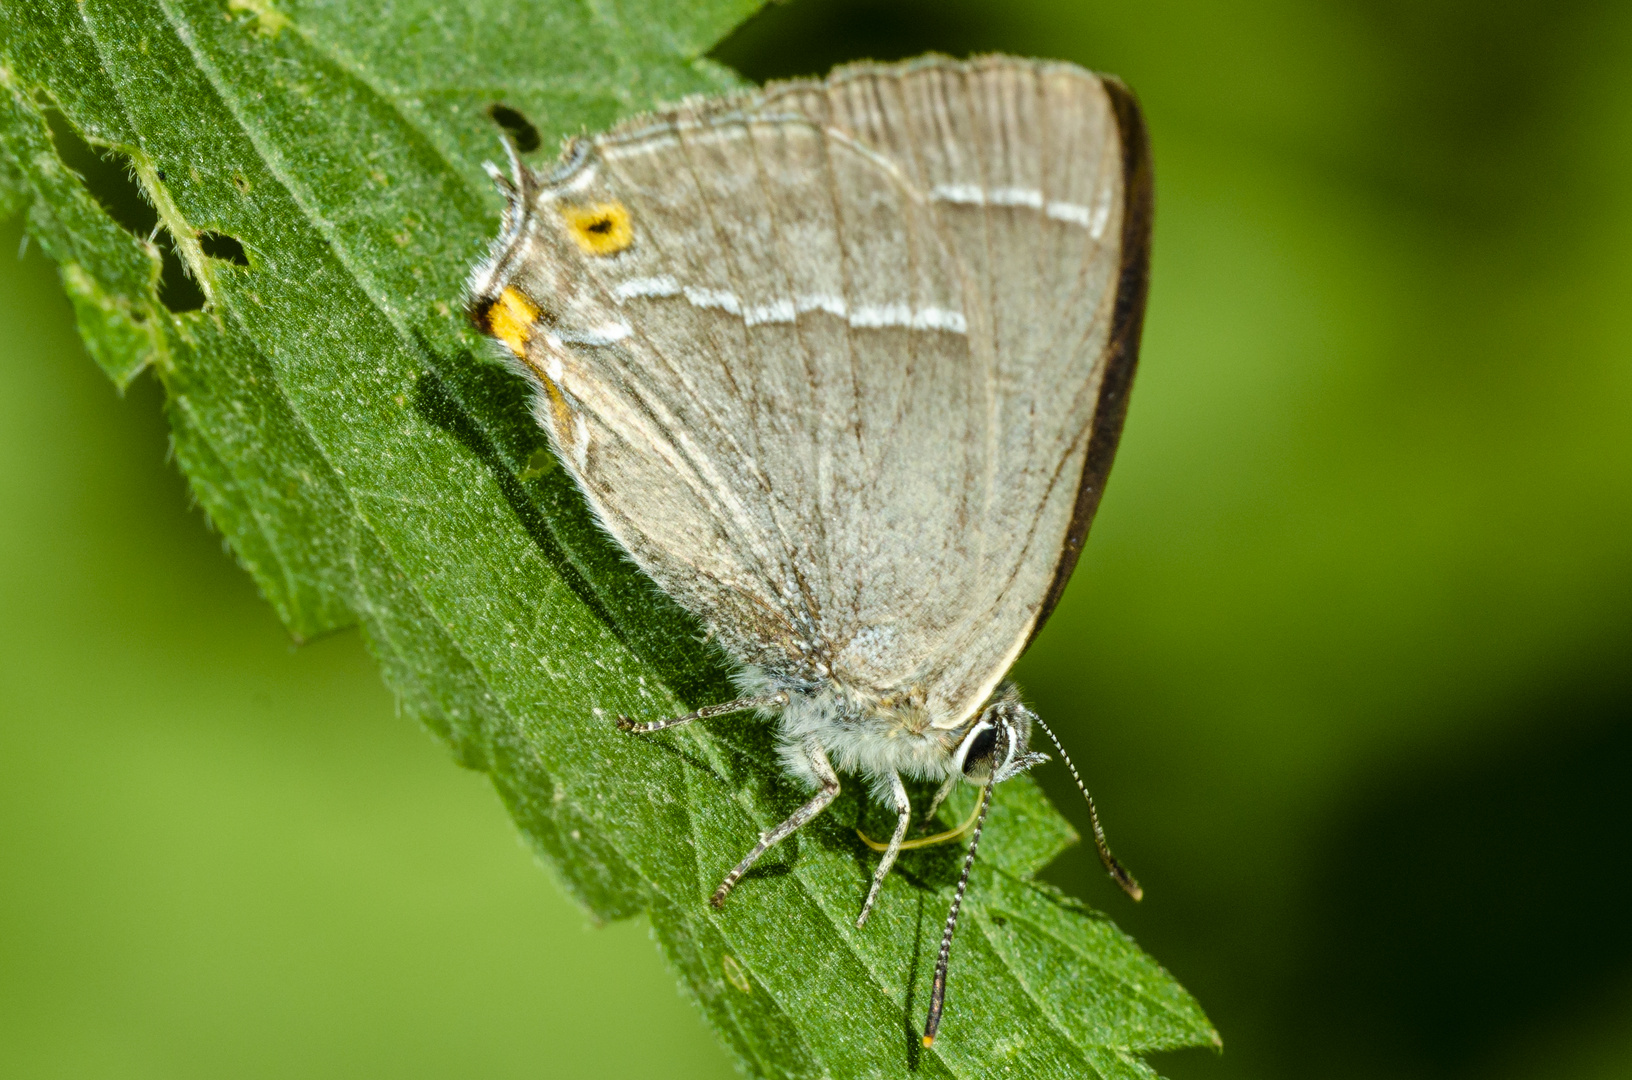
[[842, 364]]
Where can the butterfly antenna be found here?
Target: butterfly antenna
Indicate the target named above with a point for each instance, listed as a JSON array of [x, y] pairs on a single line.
[[937, 993], [1114, 868], [516, 190]]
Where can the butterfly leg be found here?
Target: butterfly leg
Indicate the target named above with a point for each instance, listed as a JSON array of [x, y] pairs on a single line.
[[829, 781], [903, 812], [767, 701]]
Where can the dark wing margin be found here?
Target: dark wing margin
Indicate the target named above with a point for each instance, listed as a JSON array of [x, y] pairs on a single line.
[[1127, 320]]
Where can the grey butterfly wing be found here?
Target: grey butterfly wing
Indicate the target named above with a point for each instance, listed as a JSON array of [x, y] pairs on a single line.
[[1039, 178], [835, 388], [702, 382]]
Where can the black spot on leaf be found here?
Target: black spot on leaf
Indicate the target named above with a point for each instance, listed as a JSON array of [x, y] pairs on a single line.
[[518, 127]]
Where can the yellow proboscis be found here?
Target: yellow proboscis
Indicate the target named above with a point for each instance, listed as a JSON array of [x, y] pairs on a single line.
[[926, 841]]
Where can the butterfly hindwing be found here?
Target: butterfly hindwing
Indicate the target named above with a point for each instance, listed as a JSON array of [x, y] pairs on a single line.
[[827, 359]]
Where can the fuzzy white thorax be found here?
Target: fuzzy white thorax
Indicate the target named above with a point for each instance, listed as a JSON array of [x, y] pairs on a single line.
[[863, 733]]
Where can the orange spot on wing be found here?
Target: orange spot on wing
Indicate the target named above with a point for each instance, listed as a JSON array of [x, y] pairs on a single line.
[[511, 319]]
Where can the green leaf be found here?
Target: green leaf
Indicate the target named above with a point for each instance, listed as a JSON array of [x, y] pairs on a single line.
[[314, 168]]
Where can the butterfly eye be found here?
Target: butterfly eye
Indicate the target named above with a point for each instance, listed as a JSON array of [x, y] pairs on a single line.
[[978, 753]]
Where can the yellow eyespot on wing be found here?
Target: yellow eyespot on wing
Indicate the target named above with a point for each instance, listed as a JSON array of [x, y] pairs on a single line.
[[599, 228], [510, 318]]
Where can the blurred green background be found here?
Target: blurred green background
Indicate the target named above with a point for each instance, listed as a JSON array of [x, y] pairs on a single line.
[[1347, 660]]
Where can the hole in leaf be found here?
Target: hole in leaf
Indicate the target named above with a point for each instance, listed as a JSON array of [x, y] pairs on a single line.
[[110, 179], [107, 176], [520, 129], [177, 290], [221, 246]]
